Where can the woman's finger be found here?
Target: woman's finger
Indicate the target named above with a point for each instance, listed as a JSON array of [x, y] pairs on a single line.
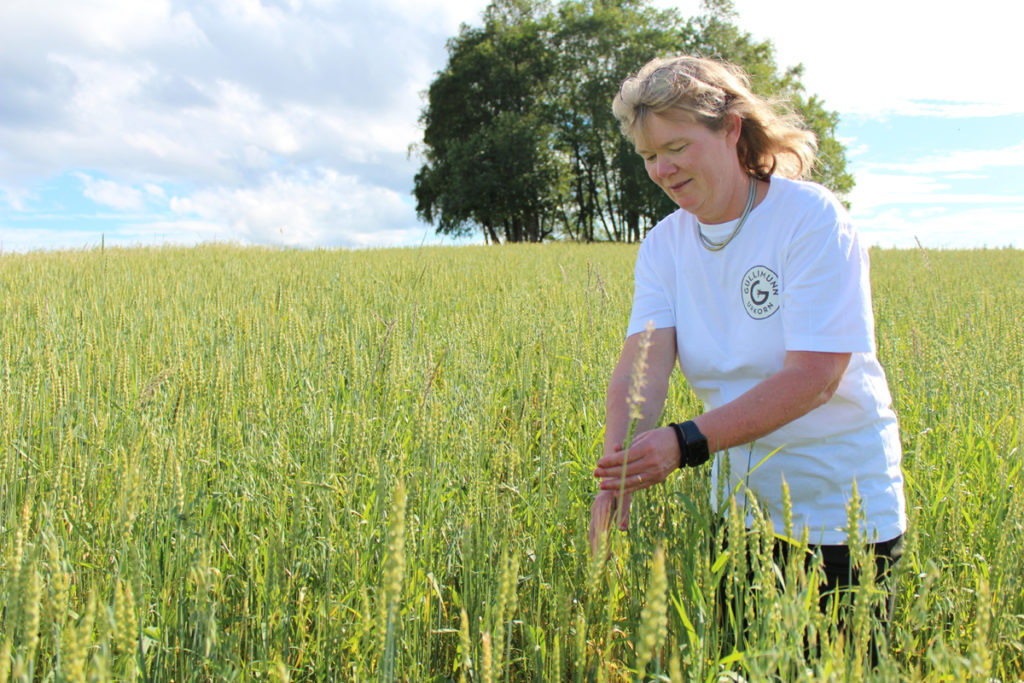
[[633, 482], [620, 455], [642, 466], [614, 462]]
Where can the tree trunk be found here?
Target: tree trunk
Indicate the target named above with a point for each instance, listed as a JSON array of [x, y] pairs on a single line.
[[632, 226], [532, 227], [490, 234]]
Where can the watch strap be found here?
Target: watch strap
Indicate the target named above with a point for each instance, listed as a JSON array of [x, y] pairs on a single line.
[[697, 452], [681, 438]]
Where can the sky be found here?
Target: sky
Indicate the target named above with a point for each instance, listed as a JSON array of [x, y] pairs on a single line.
[[294, 122]]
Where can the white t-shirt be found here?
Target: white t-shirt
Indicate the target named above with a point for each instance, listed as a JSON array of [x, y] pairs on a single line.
[[794, 279]]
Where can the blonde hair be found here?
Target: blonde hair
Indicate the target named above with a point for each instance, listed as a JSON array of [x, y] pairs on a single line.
[[772, 139]]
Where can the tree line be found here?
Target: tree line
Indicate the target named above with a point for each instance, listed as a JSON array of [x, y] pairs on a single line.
[[519, 141]]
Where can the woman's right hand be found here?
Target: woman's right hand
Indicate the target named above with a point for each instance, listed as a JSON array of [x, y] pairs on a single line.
[[603, 515]]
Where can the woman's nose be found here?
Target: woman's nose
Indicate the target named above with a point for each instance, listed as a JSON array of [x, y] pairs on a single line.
[[665, 167]]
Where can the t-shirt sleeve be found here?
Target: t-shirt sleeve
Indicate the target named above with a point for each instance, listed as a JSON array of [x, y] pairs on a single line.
[[652, 289], [826, 298]]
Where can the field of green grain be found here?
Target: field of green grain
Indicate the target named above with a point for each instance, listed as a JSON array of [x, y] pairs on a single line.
[[241, 464]]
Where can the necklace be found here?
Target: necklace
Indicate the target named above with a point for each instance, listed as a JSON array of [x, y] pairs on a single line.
[[712, 245]]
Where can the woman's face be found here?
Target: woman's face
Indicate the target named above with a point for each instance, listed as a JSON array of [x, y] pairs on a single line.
[[696, 167]]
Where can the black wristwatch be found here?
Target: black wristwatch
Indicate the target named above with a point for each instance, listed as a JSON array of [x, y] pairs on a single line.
[[693, 445]]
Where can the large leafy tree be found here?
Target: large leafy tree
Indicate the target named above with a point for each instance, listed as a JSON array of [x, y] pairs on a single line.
[[488, 162], [519, 140], [598, 43]]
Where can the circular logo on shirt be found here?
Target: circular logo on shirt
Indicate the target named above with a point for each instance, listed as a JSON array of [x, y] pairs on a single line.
[[760, 292]]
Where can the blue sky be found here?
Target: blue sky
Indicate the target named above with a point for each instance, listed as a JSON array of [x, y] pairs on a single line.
[[289, 122]]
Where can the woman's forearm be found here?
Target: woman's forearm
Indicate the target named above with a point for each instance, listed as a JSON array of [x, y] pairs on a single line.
[[806, 381], [651, 391], [617, 418]]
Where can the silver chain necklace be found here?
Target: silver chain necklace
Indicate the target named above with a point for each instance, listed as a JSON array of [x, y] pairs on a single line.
[[712, 245]]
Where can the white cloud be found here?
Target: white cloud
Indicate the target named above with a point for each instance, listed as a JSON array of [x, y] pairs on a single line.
[[156, 192], [894, 205], [879, 189], [874, 190], [27, 239], [223, 100], [310, 209], [884, 58], [113, 234], [175, 231], [112, 194], [957, 161], [968, 228], [97, 26], [16, 199], [948, 110], [446, 14]]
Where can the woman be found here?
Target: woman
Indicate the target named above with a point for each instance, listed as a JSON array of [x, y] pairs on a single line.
[[759, 286]]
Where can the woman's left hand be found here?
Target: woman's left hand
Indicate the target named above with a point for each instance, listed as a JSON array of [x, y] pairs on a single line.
[[651, 457]]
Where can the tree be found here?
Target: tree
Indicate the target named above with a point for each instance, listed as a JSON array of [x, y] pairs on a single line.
[[519, 140], [598, 43], [488, 165]]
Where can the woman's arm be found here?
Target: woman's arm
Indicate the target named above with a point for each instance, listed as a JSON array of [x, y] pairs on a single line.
[[807, 380], [661, 359]]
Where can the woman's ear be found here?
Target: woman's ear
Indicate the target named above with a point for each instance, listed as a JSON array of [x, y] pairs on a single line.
[[733, 127]]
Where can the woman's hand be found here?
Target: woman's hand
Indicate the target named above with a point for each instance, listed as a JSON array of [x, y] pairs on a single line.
[[602, 515], [651, 457]]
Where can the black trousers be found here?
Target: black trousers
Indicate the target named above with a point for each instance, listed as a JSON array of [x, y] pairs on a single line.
[[841, 576]]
